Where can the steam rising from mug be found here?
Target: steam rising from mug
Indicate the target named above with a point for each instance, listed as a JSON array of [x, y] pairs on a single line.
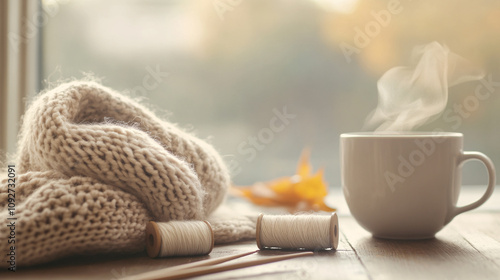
[[410, 96]]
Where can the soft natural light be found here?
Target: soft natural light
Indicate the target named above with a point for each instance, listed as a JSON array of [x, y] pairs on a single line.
[[341, 6], [172, 139], [111, 30], [229, 69]]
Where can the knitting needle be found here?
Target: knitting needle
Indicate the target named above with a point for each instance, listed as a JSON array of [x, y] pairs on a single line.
[[211, 261], [203, 270], [166, 271]]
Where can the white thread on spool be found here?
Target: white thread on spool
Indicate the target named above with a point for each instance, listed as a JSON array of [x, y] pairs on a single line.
[[307, 232], [179, 238]]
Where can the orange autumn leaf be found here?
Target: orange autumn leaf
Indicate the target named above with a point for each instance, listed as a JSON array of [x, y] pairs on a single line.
[[304, 166], [303, 191]]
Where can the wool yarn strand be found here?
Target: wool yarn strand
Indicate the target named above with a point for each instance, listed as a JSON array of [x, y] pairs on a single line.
[[111, 165], [307, 232], [179, 238]]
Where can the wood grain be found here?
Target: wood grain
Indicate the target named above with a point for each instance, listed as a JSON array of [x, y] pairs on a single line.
[[468, 248], [448, 256]]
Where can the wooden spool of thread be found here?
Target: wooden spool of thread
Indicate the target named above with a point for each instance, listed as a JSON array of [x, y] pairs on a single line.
[[179, 238], [302, 232]]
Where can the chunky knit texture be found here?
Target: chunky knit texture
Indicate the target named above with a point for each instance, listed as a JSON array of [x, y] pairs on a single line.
[[94, 166]]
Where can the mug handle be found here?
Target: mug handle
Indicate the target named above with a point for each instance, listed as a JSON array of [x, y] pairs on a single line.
[[491, 182]]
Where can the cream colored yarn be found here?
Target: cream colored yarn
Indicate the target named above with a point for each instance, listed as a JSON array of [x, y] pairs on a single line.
[[94, 166]]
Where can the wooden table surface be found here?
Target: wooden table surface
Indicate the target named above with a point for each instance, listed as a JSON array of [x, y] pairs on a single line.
[[468, 248]]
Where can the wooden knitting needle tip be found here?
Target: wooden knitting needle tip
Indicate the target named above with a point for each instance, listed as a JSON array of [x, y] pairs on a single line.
[[204, 270], [168, 270]]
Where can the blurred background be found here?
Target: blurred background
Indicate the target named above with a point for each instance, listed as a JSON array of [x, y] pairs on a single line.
[[262, 79]]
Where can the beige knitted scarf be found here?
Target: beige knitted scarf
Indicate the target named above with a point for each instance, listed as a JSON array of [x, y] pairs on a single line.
[[94, 166]]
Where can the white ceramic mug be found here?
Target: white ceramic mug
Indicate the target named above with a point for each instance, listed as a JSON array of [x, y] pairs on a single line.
[[406, 185]]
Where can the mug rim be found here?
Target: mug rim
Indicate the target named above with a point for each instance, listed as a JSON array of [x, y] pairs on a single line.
[[400, 134]]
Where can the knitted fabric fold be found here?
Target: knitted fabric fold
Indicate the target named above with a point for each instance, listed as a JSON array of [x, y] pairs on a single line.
[[94, 166]]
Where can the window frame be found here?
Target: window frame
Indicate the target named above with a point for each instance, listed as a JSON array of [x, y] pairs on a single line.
[[21, 23]]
